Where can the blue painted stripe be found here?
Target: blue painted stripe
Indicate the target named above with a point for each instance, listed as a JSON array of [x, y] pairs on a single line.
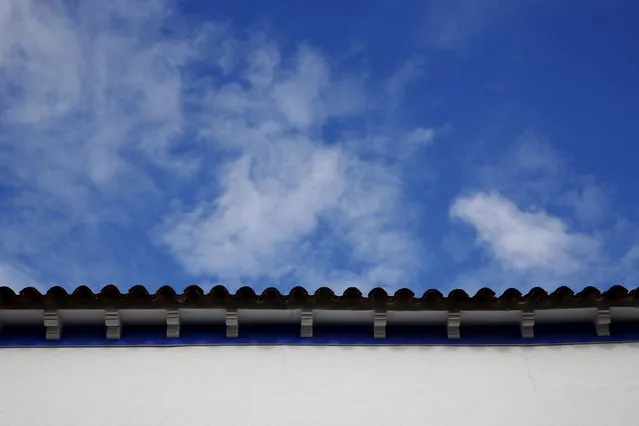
[[289, 335]]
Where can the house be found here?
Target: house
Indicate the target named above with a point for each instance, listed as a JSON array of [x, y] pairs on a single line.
[[317, 359]]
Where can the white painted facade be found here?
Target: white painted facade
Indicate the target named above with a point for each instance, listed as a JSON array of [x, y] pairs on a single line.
[[300, 386]]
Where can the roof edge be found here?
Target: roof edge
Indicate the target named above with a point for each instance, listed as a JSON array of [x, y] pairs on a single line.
[[298, 297]]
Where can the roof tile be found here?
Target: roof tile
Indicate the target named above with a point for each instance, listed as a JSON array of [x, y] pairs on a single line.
[[324, 298]]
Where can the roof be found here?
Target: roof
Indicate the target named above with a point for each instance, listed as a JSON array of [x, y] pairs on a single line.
[[167, 317], [352, 298]]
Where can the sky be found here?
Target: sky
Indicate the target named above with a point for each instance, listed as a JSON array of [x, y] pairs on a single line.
[[420, 144]]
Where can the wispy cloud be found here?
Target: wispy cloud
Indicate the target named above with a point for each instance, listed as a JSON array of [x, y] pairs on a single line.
[[525, 240], [87, 89], [541, 223], [290, 207], [139, 147], [532, 172], [112, 108], [453, 24]]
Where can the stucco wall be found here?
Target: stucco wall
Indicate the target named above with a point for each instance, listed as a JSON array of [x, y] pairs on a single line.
[[262, 386]]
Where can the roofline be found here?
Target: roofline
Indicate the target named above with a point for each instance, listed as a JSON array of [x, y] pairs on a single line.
[[380, 311], [138, 297]]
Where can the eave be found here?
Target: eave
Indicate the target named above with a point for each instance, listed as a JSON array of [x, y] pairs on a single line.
[[219, 317]]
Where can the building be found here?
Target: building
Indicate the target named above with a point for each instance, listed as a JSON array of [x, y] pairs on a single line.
[[273, 359]]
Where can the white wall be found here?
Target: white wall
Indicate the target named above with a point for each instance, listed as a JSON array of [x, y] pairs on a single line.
[[263, 386]]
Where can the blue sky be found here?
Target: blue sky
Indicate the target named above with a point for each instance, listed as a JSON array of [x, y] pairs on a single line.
[[421, 144]]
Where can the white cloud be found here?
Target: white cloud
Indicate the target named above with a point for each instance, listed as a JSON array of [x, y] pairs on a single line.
[[584, 241], [86, 90], [295, 97], [254, 227], [289, 202], [99, 98], [525, 240], [80, 90]]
